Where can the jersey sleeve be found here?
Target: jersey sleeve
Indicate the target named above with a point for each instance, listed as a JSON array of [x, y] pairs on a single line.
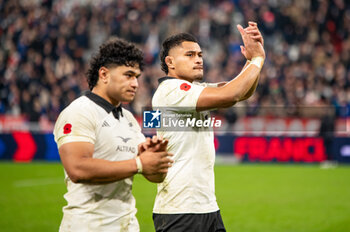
[[205, 84], [75, 125], [177, 93]]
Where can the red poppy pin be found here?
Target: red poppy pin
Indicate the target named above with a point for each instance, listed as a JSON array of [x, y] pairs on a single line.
[[67, 128], [185, 87]]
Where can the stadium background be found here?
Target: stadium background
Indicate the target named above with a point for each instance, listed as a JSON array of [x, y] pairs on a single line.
[[299, 114]]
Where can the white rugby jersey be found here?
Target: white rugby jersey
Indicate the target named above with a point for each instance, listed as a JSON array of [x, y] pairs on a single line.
[[189, 185], [99, 207]]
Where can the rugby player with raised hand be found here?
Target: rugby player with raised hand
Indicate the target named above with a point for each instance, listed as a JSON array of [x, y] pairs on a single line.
[[186, 199]]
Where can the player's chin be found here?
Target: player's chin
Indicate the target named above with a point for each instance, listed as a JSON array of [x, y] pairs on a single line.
[[198, 76], [129, 98]]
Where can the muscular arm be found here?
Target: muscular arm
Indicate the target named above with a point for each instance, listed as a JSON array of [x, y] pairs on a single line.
[[232, 92], [220, 84], [81, 167], [253, 88]]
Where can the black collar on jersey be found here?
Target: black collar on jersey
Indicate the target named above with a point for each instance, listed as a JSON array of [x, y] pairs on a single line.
[[160, 80], [105, 104]]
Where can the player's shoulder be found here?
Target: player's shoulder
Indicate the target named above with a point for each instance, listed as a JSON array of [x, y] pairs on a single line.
[[173, 91], [166, 88], [172, 82], [168, 85], [82, 103], [81, 106], [81, 111]]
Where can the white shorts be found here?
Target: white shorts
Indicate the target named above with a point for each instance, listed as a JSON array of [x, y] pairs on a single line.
[[92, 223]]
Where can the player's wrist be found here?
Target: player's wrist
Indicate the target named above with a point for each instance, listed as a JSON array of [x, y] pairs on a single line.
[[138, 164], [257, 61]]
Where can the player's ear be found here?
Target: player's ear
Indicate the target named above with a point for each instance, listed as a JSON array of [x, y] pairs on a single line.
[[103, 74], [169, 60]]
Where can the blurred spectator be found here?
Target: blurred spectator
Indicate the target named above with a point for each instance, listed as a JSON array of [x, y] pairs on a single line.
[[327, 127], [45, 47]]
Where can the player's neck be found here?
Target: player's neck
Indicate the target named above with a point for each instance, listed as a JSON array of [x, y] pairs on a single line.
[[178, 77], [104, 95]]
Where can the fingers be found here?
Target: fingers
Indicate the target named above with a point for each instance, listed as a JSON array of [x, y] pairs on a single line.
[[253, 24], [144, 146], [166, 160], [155, 144], [156, 161], [243, 51], [163, 145], [147, 143], [250, 31], [163, 171], [166, 163], [141, 148], [254, 32], [252, 28], [256, 37], [241, 30], [164, 154], [165, 142], [154, 139]]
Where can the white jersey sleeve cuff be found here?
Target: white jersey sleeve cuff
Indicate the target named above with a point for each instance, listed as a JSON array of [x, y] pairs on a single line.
[[69, 139]]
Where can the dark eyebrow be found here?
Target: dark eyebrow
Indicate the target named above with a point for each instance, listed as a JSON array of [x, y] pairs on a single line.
[[200, 52], [130, 72]]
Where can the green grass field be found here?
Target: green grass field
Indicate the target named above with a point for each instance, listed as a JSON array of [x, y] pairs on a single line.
[[260, 197]]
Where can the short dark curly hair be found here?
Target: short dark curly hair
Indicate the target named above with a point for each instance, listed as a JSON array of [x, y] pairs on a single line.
[[169, 43], [116, 52]]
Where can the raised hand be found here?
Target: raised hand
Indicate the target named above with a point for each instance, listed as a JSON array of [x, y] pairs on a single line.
[[254, 32], [252, 45]]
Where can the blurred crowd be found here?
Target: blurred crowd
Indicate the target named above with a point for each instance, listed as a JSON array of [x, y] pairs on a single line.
[[45, 47]]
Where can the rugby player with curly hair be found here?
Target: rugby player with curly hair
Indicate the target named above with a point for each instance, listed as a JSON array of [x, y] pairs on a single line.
[[101, 145]]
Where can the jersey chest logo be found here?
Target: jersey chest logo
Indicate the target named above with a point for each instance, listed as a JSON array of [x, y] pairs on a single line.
[[125, 140]]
